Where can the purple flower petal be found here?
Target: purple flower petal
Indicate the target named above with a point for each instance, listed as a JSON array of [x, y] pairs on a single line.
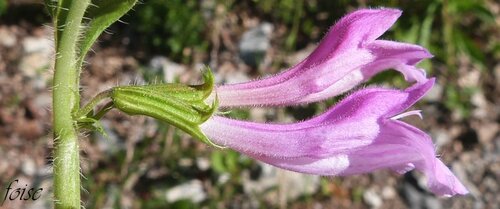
[[355, 136], [347, 56]]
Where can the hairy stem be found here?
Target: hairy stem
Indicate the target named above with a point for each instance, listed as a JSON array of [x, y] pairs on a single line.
[[65, 103]]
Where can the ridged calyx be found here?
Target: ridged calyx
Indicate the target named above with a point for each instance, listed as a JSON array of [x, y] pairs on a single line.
[[177, 104]]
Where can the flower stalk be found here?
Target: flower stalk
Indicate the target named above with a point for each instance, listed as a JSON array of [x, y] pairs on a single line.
[[89, 107]]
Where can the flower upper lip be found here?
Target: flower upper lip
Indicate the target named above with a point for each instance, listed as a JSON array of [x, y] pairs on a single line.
[[348, 55]]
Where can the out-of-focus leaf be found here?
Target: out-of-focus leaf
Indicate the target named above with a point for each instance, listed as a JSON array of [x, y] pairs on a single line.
[[101, 14], [458, 99], [225, 161], [232, 161], [410, 35], [476, 7], [483, 13], [217, 161], [3, 6], [466, 45], [426, 32], [184, 204]]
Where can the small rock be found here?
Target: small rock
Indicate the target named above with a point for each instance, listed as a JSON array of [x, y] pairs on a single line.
[[414, 194], [33, 65], [490, 183], [223, 178], [28, 167], [479, 101], [7, 38], [36, 58], [435, 94], [111, 143], [258, 114], [185, 162], [297, 184], [469, 79], [441, 137], [43, 100], [487, 131], [36, 44], [372, 198], [292, 184], [192, 190], [497, 75], [432, 203], [236, 77], [388, 193], [202, 163], [264, 182], [171, 70], [254, 43], [256, 39]]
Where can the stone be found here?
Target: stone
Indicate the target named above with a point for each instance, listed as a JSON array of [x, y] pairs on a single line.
[[496, 71], [171, 70], [202, 163], [7, 38], [36, 59], [28, 167], [291, 184], [435, 94], [487, 131], [441, 137], [37, 44], [254, 43], [191, 190], [388, 193], [111, 143], [371, 198]]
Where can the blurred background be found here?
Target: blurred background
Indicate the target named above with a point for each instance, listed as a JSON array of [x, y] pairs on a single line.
[[143, 163]]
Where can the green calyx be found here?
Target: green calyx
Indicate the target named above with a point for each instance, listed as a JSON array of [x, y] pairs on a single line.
[[180, 105]]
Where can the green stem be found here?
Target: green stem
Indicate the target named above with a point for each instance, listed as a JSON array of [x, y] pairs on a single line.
[[91, 105], [107, 107], [65, 99]]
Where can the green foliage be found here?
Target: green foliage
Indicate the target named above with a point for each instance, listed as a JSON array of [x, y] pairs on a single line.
[[458, 99], [101, 14], [175, 27], [225, 161], [3, 6], [294, 14]]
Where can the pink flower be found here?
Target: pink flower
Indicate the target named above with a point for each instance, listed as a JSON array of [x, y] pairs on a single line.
[[358, 135], [348, 55]]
